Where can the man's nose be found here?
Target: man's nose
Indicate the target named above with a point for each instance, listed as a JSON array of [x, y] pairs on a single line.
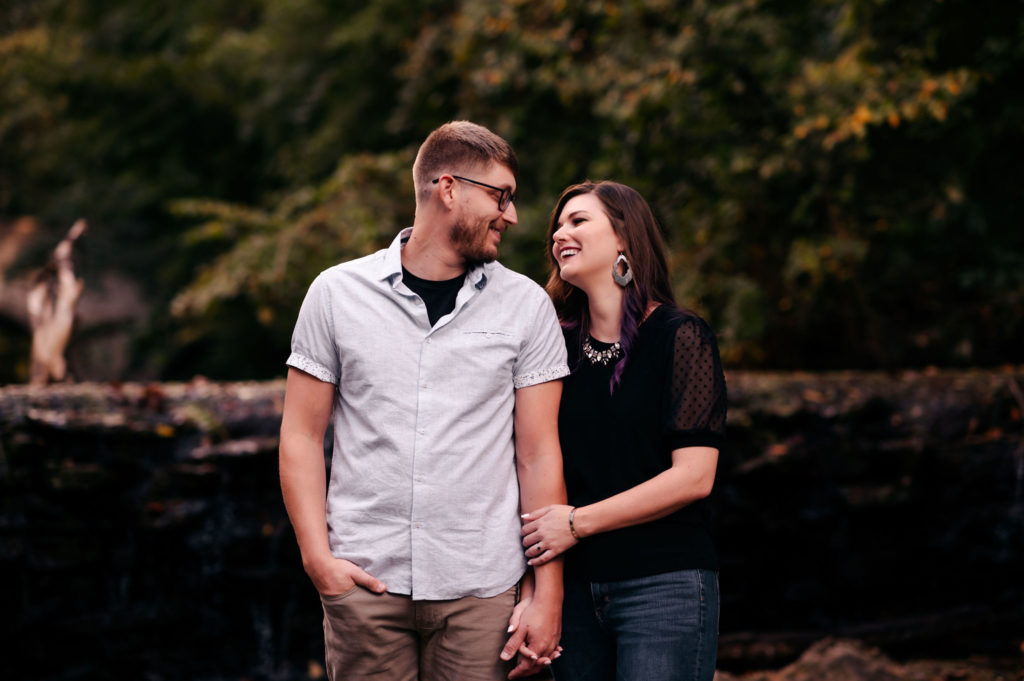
[[510, 215]]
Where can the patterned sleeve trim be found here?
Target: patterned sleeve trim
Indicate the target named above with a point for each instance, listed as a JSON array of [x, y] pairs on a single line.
[[542, 376], [312, 368]]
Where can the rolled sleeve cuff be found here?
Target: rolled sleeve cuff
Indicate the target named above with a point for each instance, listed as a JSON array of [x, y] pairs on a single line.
[[312, 368], [541, 376]]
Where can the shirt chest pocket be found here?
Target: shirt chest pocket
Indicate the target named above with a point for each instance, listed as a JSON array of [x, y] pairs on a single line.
[[484, 359]]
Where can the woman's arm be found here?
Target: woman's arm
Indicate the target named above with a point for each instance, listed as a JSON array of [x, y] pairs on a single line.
[[546, 531]]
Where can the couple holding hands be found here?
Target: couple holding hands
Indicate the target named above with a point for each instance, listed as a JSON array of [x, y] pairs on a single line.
[[518, 478]]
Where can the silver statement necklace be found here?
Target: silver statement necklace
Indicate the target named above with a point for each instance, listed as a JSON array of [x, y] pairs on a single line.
[[603, 357]]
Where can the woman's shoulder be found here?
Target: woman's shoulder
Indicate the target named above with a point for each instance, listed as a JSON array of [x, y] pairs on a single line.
[[673, 320], [681, 332], [571, 335]]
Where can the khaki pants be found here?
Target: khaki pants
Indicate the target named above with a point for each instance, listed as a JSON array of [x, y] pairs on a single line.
[[387, 637]]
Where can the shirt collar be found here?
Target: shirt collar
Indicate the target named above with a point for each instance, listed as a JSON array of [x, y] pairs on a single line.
[[391, 268]]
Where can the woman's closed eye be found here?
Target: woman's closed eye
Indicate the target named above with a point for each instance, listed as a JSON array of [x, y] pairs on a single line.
[[574, 222]]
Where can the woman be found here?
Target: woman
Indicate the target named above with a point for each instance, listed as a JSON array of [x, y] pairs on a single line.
[[641, 422]]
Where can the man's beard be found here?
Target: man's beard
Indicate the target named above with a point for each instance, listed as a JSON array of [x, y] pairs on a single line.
[[473, 242]]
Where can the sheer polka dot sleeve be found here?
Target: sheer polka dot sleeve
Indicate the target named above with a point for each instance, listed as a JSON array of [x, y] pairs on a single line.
[[696, 392]]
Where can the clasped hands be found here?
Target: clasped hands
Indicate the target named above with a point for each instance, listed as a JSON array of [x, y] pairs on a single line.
[[546, 534], [536, 646], [535, 633]]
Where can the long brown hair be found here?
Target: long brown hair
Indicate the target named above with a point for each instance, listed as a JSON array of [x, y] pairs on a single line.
[[633, 222]]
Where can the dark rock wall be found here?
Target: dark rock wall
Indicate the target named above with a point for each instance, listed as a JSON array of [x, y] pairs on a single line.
[[144, 537], [888, 508], [142, 533]]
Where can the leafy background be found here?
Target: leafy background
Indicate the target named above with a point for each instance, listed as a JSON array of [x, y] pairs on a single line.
[[839, 181]]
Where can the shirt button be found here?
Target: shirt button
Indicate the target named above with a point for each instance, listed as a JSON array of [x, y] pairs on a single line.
[[428, 340], [418, 525], [419, 478], [424, 384]]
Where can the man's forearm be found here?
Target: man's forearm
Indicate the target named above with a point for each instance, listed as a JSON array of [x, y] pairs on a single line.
[[303, 486], [548, 582], [539, 466], [541, 484], [307, 409]]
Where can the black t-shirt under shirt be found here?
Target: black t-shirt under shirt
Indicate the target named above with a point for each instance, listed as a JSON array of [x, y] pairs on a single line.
[[438, 296], [672, 395]]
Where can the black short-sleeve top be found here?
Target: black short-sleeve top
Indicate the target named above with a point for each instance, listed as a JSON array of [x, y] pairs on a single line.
[[671, 395]]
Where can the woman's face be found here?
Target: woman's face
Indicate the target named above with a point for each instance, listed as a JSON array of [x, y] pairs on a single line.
[[584, 244]]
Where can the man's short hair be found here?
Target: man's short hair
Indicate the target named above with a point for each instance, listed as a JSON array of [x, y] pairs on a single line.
[[459, 146]]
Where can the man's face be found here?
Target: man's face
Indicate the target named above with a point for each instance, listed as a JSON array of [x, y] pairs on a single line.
[[479, 222]]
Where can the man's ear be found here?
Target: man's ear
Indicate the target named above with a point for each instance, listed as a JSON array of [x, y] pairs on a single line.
[[446, 191]]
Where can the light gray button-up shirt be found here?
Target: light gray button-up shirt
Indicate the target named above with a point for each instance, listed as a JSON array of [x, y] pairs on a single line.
[[423, 492]]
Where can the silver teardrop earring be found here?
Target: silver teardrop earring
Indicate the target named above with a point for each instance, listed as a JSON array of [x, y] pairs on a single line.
[[627, 276]]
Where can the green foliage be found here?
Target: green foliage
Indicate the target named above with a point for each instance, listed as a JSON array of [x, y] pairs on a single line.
[[835, 179], [269, 257], [810, 162]]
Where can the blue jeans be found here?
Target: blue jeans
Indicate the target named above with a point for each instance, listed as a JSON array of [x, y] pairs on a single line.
[[658, 628]]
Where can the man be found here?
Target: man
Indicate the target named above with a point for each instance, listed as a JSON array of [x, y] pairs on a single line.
[[438, 368]]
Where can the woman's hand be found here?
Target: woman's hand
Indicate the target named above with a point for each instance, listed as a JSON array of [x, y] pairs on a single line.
[[546, 533]]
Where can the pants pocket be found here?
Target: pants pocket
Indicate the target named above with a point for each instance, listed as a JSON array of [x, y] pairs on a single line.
[[337, 597]]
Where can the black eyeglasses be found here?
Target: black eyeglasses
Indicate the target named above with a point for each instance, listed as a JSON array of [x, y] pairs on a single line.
[[506, 196]]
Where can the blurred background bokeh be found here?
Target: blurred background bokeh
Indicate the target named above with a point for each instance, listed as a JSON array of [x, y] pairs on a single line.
[[839, 182]]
